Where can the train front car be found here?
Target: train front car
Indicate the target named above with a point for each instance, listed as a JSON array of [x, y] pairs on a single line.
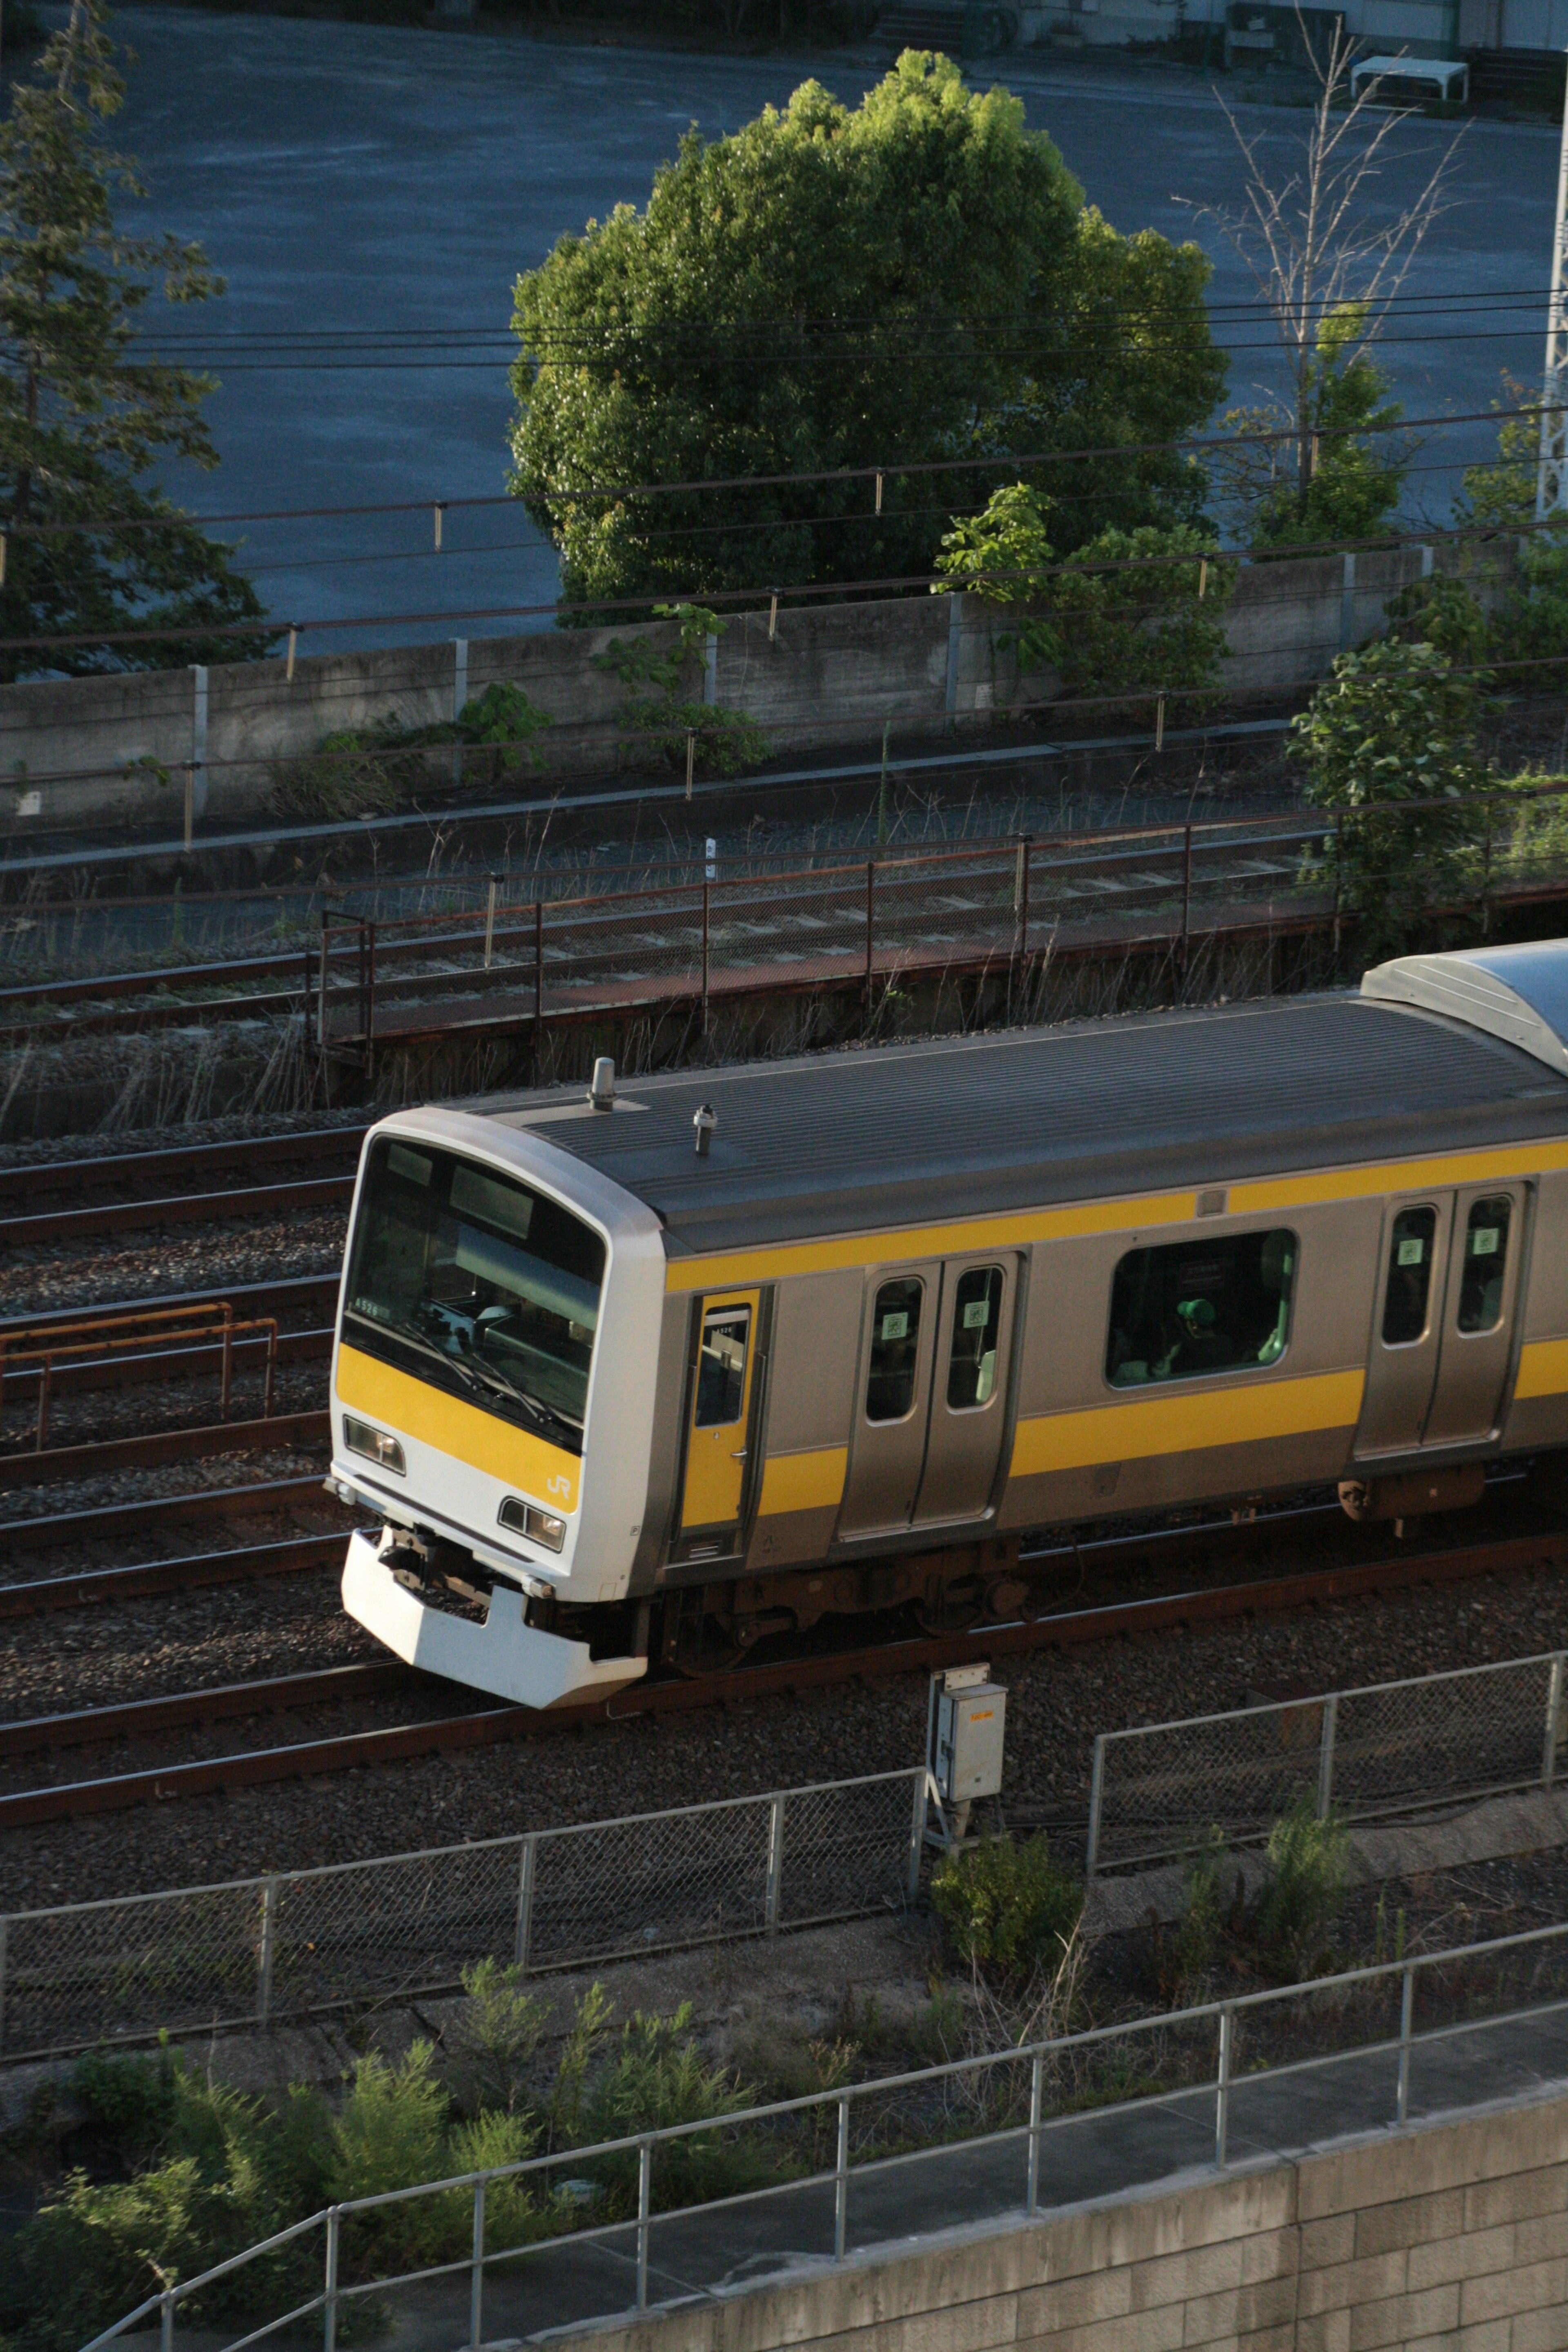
[[492, 1402]]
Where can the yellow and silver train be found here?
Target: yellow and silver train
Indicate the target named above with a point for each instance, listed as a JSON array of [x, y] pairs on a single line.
[[747, 1348]]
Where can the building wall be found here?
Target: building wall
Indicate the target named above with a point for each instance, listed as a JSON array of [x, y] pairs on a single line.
[[1453, 2235]]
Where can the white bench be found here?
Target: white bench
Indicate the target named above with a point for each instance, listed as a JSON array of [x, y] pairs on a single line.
[[1408, 77]]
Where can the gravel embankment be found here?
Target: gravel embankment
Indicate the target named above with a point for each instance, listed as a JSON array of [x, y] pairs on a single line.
[[1056, 1704]]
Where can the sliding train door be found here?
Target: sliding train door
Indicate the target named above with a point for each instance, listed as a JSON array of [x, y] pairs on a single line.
[[1443, 1332], [931, 1412], [718, 1406]]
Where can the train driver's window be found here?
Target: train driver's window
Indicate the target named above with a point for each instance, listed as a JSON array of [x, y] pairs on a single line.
[[1409, 1287], [1219, 1304], [895, 1348], [1486, 1263], [976, 1320], [721, 1366]]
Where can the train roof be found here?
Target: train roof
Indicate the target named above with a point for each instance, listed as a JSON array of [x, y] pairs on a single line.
[[866, 1140]]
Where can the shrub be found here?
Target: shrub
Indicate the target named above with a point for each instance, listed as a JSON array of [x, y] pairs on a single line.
[[131, 2099], [1208, 1878], [369, 771], [1006, 1906], [1304, 1871], [1393, 723], [723, 742], [656, 2077], [390, 2136], [1124, 615], [513, 2209], [495, 2038]]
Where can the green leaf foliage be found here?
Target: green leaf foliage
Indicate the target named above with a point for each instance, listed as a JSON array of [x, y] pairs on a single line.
[[83, 415], [656, 2077], [1005, 1906], [913, 279], [1130, 611], [1499, 494], [1346, 479], [1305, 1870], [1395, 723]]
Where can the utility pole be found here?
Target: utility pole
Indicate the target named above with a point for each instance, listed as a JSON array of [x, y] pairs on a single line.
[[1552, 478]]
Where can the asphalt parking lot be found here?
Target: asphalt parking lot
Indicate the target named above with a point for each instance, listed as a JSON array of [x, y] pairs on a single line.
[[390, 184]]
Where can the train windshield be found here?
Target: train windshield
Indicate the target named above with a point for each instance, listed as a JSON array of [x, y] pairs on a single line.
[[478, 1284]]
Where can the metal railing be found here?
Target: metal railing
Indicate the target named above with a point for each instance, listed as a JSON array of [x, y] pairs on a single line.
[[1387, 1747], [1007, 904], [295, 1943], [1241, 2077]]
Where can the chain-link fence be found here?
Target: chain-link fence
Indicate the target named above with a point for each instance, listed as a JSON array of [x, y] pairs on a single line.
[[1382, 1750], [300, 1941]]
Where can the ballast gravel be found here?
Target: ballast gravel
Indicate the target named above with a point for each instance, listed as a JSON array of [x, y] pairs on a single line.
[[1056, 1703]]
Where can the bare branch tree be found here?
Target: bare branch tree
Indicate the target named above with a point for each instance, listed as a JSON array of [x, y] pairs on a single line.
[[1311, 242]]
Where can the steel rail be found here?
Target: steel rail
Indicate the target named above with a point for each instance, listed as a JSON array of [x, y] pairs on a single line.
[[99, 1172], [86, 1727], [314, 1293], [178, 1209], [99, 1460], [285, 1556], [110, 1521], [502, 1723]]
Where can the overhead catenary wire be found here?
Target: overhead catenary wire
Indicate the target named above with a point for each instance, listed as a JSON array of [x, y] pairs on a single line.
[[998, 461]]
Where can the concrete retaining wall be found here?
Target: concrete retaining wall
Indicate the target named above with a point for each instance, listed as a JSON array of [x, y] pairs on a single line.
[[119, 748], [1451, 2235]]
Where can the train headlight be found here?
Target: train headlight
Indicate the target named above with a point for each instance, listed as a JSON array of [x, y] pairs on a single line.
[[361, 1438], [527, 1520]]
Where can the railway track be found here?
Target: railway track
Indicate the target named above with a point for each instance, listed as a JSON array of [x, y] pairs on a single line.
[[142, 1580], [499, 1722], [51, 1531], [135, 1174], [296, 1431]]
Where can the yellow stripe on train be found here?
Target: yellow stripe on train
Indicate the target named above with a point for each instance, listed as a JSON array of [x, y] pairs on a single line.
[[1132, 1430], [417, 1410]]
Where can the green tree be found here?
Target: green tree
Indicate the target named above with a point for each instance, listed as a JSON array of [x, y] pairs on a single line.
[[1393, 723], [1341, 480], [1500, 493], [910, 280], [82, 416], [1130, 611]]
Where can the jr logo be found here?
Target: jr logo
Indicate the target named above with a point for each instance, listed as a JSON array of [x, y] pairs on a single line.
[[559, 1485]]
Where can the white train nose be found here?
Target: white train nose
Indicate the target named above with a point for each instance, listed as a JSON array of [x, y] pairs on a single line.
[[504, 1655]]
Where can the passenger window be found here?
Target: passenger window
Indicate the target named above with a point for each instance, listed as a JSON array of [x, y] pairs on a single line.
[[1219, 1304], [895, 1349], [721, 1366], [1486, 1262], [1409, 1276], [976, 1320]]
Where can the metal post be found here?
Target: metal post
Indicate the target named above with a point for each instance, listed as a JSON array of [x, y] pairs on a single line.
[[954, 632], [370, 982], [528, 1864], [190, 803], [1339, 868], [1023, 900], [1222, 2094], [537, 981], [329, 2295], [776, 1862], [269, 1949], [644, 2201], [490, 924], [166, 2320], [198, 741], [1095, 1799], [227, 1360], [1186, 893], [477, 2272], [691, 759], [705, 890], [459, 699], [1487, 876], [1553, 1711], [1037, 2092], [841, 2183], [1406, 2010], [917, 1835], [1552, 473], [870, 919], [1326, 1756]]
